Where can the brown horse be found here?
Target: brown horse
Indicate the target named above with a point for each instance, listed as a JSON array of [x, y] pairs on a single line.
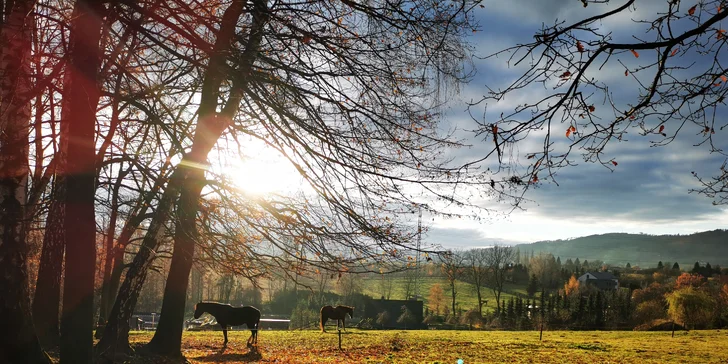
[[337, 313]]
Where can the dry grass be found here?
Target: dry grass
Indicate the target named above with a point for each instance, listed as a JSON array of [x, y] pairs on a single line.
[[449, 346]]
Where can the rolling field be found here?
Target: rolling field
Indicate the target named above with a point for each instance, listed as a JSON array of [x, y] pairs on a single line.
[[449, 346], [466, 296]]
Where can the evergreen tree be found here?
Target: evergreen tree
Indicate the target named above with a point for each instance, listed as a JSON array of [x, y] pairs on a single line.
[[675, 266], [542, 304], [708, 270], [569, 265], [550, 307], [599, 313], [585, 265], [696, 268], [558, 261], [591, 310], [533, 284], [659, 265], [577, 263], [578, 315], [558, 304], [628, 266], [510, 312]]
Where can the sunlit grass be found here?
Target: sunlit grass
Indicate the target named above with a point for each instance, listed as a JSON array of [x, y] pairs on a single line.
[[433, 346], [466, 295]]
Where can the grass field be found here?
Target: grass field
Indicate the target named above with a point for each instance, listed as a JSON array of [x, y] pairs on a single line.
[[448, 346], [466, 296]]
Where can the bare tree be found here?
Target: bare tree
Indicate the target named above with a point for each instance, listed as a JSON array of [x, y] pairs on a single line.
[[478, 272], [386, 285], [498, 259], [678, 88], [80, 224], [452, 265], [19, 341]]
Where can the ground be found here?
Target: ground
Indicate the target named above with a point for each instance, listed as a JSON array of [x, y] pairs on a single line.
[[440, 346]]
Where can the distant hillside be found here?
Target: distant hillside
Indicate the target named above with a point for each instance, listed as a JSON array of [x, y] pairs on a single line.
[[640, 249]]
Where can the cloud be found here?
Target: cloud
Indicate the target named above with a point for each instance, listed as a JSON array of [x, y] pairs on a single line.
[[648, 191]]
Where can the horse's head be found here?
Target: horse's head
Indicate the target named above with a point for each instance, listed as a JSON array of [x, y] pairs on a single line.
[[198, 310]]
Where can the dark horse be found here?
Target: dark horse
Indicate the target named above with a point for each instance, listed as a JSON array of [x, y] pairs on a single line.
[[337, 313], [227, 315]]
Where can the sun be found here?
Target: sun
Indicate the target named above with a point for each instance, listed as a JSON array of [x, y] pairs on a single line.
[[262, 171]]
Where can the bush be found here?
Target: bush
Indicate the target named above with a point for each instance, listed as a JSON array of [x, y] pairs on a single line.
[[649, 311], [304, 317]]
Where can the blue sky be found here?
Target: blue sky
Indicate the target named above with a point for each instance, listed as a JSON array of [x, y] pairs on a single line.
[[648, 192]]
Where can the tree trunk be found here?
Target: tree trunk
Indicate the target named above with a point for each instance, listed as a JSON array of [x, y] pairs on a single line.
[[18, 341], [46, 311], [46, 304], [111, 250], [168, 337], [452, 289], [480, 300], [115, 339], [80, 227]]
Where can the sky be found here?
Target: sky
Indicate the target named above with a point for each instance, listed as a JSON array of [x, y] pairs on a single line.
[[648, 192]]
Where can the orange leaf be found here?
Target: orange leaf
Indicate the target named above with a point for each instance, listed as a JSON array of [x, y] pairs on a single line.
[[535, 178], [691, 11], [724, 78], [716, 84], [720, 8], [531, 156], [495, 129], [591, 108], [579, 47], [568, 132], [720, 33], [662, 127], [673, 52], [614, 162], [306, 39], [631, 117], [566, 74], [626, 73], [636, 55]]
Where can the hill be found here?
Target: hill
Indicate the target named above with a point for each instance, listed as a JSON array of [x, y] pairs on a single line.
[[640, 249]]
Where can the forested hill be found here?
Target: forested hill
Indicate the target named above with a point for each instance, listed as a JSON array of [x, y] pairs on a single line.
[[640, 249]]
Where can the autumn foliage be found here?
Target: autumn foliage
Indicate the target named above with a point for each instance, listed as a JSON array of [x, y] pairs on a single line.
[[689, 280], [571, 286]]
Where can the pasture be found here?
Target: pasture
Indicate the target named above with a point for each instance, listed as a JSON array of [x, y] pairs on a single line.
[[466, 296], [432, 346]]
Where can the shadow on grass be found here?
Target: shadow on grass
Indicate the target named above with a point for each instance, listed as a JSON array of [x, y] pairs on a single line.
[[220, 356]]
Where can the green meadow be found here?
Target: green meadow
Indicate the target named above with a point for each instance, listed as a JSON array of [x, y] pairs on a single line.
[[466, 297]]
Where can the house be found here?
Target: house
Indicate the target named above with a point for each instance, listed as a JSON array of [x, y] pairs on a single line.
[[602, 280]]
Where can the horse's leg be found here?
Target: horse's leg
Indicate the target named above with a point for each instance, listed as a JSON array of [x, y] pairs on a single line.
[[224, 333], [343, 323]]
